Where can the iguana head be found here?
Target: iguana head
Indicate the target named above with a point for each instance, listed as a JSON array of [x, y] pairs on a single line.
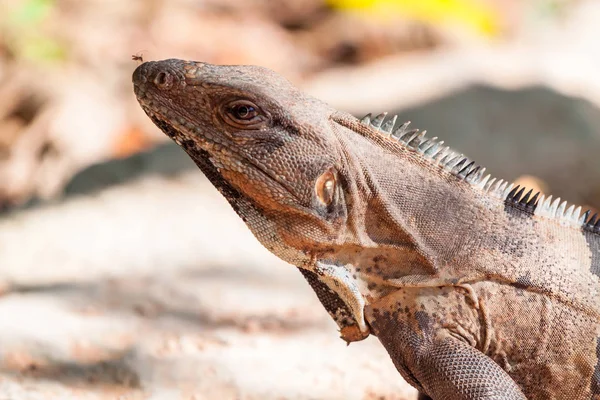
[[262, 143], [290, 168]]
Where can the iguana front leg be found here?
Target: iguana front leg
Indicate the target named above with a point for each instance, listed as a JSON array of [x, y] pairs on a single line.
[[436, 363]]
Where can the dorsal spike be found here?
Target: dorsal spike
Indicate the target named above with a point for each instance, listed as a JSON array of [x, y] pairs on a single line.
[[417, 140], [512, 193], [569, 212], [489, 183], [441, 154], [576, 214], [409, 135], [592, 220], [366, 119], [472, 174], [462, 162], [377, 121], [525, 199], [585, 216], [539, 207], [465, 170], [446, 156], [480, 179], [496, 188], [434, 150], [560, 212], [546, 202], [389, 125], [428, 144], [533, 202], [401, 130], [519, 195], [554, 207], [507, 189]]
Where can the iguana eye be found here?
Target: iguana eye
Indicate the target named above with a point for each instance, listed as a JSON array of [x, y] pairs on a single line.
[[325, 187], [243, 114], [244, 111]]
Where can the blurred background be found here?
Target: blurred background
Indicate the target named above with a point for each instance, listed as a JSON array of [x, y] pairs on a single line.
[[125, 275]]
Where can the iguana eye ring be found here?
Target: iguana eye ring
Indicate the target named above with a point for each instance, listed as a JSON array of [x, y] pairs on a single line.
[[325, 187], [243, 114]]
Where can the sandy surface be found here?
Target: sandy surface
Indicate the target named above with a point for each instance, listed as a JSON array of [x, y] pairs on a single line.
[[156, 290]]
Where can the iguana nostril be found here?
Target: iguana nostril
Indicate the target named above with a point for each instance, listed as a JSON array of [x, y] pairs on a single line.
[[162, 79]]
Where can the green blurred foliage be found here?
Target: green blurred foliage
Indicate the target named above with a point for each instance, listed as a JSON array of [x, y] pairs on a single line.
[[24, 34]]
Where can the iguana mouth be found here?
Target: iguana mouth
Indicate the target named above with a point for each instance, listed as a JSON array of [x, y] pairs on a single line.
[[202, 159]]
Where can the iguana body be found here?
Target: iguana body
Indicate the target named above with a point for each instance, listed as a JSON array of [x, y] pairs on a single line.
[[476, 290]]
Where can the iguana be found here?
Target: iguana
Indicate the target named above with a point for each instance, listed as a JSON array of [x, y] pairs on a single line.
[[476, 288]]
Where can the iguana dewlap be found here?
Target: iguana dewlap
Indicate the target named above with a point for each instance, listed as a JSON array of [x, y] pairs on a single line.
[[477, 289]]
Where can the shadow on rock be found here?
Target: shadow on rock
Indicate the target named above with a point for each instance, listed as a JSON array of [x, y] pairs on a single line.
[[105, 373], [175, 301]]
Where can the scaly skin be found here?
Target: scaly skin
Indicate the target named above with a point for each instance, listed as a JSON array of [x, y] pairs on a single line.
[[476, 290]]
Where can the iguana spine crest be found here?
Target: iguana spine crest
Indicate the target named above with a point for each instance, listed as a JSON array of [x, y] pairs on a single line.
[[463, 168]]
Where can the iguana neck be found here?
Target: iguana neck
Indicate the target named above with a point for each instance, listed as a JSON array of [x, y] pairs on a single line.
[[454, 232], [398, 206]]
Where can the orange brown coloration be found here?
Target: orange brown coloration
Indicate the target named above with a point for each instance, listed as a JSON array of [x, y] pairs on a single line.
[[352, 334]]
